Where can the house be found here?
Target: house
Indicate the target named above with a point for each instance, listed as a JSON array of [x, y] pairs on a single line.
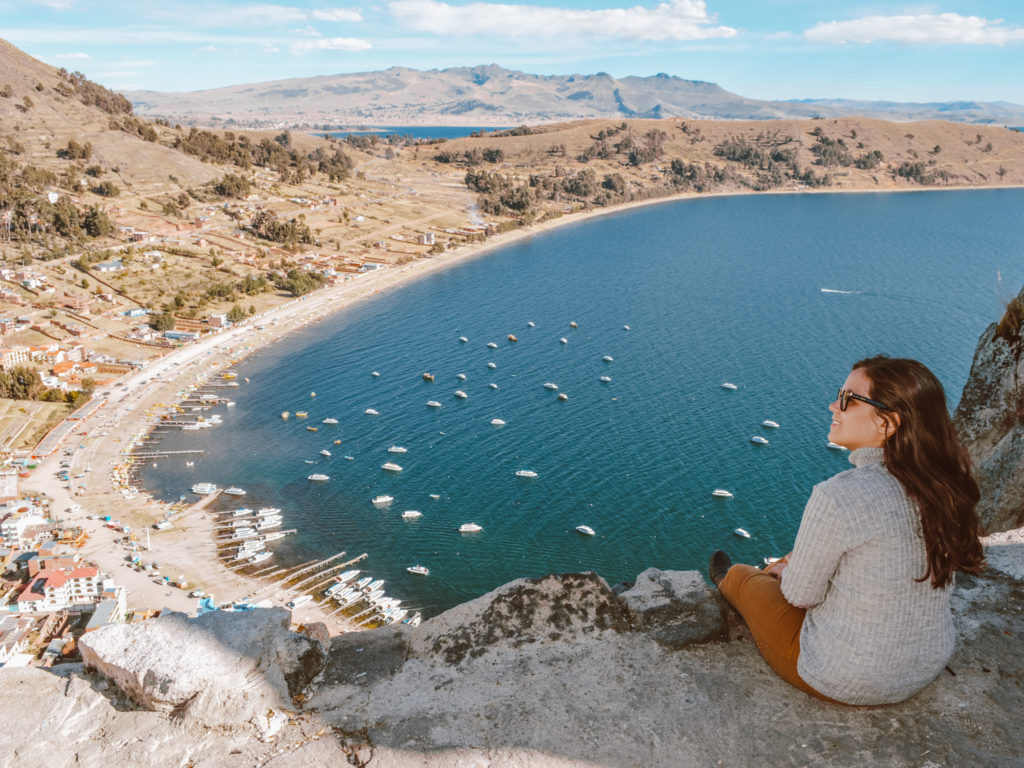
[[14, 634], [58, 589], [65, 369], [219, 321], [135, 312], [425, 238], [108, 266], [181, 335], [12, 356]]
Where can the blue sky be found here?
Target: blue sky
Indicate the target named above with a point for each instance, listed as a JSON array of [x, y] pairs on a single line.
[[771, 49]]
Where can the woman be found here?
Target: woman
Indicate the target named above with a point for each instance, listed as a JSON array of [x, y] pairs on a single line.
[[858, 612]]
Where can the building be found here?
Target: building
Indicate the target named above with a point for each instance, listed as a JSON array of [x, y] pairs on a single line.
[[181, 335], [12, 356], [108, 266], [425, 238], [59, 589]]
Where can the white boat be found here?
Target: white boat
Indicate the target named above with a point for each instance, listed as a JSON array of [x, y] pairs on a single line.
[[243, 533], [562, 396], [470, 528], [259, 557], [564, 340], [350, 458], [309, 461], [382, 499], [770, 424], [435, 496], [460, 376], [390, 466], [463, 339], [204, 489], [492, 385], [492, 345], [241, 511], [625, 327], [759, 440], [373, 586], [550, 385], [607, 358], [525, 473], [433, 404], [728, 385], [375, 374], [272, 536], [268, 522], [347, 576], [234, 491], [586, 530], [460, 394], [605, 379], [398, 449], [230, 403], [363, 582], [190, 463], [285, 414], [329, 421], [268, 511], [190, 428], [497, 422], [742, 532], [422, 570], [318, 476], [371, 412], [300, 600], [412, 514], [722, 494], [531, 324], [414, 621], [835, 446], [324, 452], [492, 366], [771, 560]]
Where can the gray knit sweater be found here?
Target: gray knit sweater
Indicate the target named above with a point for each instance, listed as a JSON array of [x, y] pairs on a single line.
[[872, 635]]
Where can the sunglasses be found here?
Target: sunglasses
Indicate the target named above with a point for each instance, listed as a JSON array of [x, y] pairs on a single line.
[[845, 396]]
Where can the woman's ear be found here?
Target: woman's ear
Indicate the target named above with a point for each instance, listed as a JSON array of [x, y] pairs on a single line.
[[887, 424]]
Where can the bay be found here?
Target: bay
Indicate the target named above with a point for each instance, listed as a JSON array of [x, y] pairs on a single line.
[[712, 289]]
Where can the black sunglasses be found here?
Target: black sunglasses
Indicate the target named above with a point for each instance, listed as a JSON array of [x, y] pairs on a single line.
[[845, 396]]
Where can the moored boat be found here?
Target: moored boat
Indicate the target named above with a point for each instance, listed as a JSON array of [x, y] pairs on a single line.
[[329, 420], [234, 491], [742, 533], [204, 489], [420, 570], [550, 385], [525, 473], [412, 514], [324, 452], [728, 385], [497, 422], [770, 424], [371, 412], [428, 376], [470, 528], [318, 476], [460, 394], [721, 493], [433, 404], [759, 440], [390, 466], [398, 449], [382, 499], [586, 530]]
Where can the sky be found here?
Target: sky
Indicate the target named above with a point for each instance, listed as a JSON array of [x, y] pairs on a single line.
[[767, 49]]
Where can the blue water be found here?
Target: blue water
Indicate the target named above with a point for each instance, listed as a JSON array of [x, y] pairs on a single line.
[[415, 131], [714, 290]]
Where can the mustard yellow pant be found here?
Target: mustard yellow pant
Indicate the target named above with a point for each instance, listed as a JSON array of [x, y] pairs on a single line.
[[773, 622]]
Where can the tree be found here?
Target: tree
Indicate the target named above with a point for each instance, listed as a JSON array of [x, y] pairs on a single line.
[[96, 222], [236, 314], [106, 189], [162, 322]]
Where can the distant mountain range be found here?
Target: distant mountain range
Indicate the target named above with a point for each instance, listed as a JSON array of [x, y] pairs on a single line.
[[494, 96]]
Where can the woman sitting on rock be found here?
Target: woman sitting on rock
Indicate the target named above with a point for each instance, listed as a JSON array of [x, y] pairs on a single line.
[[858, 612]]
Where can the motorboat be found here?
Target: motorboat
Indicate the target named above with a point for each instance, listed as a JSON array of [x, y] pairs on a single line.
[[325, 452], [531, 324], [586, 530], [337, 442], [497, 422], [460, 376], [312, 429], [512, 337], [563, 340], [371, 412], [230, 403], [347, 576], [836, 446], [269, 522], [625, 327], [268, 511], [411, 514], [492, 366], [318, 476], [300, 600], [492, 345], [460, 394], [190, 463], [204, 489], [463, 339], [312, 394], [421, 570], [398, 449], [470, 528], [241, 511], [722, 494], [742, 533], [350, 458], [329, 421], [607, 358], [375, 374], [259, 557], [433, 404], [301, 414], [728, 385], [285, 414], [234, 491], [390, 466], [492, 385], [361, 584], [525, 473], [605, 379], [373, 586], [573, 324], [309, 461], [414, 621], [435, 496], [759, 440], [428, 376], [770, 424], [562, 396], [550, 385], [771, 560]]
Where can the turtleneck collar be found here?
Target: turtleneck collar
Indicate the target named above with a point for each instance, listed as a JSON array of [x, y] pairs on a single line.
[[869, 455]]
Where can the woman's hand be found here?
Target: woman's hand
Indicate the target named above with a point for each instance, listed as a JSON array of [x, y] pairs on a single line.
[[775, 569]]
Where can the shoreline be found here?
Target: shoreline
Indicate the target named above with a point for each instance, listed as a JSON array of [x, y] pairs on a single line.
[[188, 549]]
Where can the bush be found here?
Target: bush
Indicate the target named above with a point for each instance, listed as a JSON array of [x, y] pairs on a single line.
[[106, 189]]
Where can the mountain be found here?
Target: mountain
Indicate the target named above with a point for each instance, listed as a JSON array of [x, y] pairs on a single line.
[[494, 96]]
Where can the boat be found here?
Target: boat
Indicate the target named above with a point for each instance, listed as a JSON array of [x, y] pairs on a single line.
[[312, 429], [759, 440], [300, 600], [742, 533], [564, 340], [363, 582], [346, 576], [309, 461], [550, 385], [470, 528], [562, 396], [728, 385], [572, 324], [586, 530], [435, 496], [625, 327], [329, 421], [463, 339], [230, 403], [433, 404], [375, 374], [350, 458], [605, 379], [390, 466], [771, 560], [270, 522], [190, 463], [268, 511], [398, 449], [421, 570], [373, 586], [460, 376], [325, 452], [525, 473], [318, 476], [371, 412], [241, 511], [497, 422], [770, 424], [460, 394], [234, 491], [301, 414], [492, 345], [204, 489], [722, 494], [428, 377], [492, 365], [382, 499], [835, 446], [337, 442], [259, 557], [511, 337], [312, 394], [414, 621], [412, 514], [243, 533], [607, 358], [531, 324]]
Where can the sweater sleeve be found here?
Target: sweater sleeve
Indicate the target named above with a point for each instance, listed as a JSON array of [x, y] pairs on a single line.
[[822, 539]]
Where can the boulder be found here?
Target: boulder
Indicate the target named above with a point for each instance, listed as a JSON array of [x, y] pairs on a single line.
[[556, 607], [675, 608], [221, 668]]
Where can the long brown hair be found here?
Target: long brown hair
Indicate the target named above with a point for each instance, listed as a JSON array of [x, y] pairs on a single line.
[[925, 454]]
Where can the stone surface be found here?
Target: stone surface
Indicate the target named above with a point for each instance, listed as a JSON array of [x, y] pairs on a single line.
[[675, 608], [220, 668]]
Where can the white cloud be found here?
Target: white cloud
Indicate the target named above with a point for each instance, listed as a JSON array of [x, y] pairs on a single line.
[[265, 13], [308, 32], [71, 56], [672, 20], [338, 14], [330, 44], [209, 49], [933, 29], [57, 5]]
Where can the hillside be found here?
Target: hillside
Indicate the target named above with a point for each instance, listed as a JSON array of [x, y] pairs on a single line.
[[494, 96]]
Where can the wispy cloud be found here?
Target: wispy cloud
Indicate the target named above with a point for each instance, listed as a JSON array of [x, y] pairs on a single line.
[[330, 44], [57, 5], [338, 14], [928, 29], [71, 56], [673, 20], [209, 49]]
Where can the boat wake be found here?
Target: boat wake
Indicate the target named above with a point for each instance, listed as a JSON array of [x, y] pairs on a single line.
[[836, 290]]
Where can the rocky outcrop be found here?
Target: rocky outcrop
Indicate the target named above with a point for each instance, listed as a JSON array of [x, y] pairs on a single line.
[[990, 421]]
